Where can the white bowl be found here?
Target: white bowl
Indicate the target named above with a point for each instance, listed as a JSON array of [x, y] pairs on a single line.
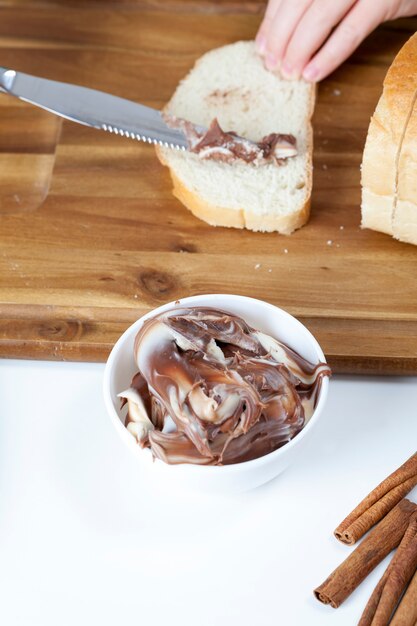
[[238, 477]]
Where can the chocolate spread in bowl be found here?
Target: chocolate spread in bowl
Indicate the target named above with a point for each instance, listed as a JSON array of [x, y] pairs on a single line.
[[211, 390], [228, 147]]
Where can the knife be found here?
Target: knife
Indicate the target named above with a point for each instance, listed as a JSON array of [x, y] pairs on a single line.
[[94, 108]]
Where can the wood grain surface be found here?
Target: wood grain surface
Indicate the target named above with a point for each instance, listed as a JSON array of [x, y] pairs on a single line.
[[96, 238]]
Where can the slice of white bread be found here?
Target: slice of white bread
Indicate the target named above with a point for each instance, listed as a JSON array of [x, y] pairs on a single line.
[[232, 85], [384, 166]]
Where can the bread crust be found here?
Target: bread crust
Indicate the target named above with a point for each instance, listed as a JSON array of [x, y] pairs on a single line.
[[383, 141], [238, 218]]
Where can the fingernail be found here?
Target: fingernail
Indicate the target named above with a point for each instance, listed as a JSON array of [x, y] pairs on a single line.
[[260, 43], [289, 72], [270, 61], [311, 73]]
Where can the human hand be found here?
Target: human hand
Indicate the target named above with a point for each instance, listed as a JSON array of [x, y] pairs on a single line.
[[311, 38]]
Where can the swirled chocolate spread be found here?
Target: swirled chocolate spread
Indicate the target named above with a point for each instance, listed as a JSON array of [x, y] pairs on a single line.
[[214, 143], [211, 390]]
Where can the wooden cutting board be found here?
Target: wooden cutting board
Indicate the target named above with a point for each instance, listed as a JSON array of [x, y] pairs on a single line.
[[91, 237]]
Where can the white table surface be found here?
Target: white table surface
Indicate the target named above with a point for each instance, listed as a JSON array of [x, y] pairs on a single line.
[[84, 540]]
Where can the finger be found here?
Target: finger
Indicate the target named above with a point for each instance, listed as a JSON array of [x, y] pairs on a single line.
[[285, 21], [362, 19], [262, 35], [311, 32], [399, 8]]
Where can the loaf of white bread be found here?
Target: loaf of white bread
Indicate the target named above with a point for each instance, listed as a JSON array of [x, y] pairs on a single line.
[[232, 85], [389, 166]]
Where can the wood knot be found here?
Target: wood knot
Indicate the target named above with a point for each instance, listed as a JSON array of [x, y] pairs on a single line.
[[60, 330], [156, 283]]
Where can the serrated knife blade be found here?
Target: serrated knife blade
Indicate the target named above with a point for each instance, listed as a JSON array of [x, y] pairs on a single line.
[[93, 108]]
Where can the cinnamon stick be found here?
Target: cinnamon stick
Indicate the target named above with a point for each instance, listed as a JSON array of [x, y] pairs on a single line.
[[379, 502], [406, 614], [395, 578], [375, 547], [396, 583]]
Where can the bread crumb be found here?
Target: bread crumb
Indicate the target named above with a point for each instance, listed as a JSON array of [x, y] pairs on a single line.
[[324, 166], [341, 227], [285, 251], [336, 92], [338, 245], [270, 270], [329, 242], [257, 266], [136, 295]]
